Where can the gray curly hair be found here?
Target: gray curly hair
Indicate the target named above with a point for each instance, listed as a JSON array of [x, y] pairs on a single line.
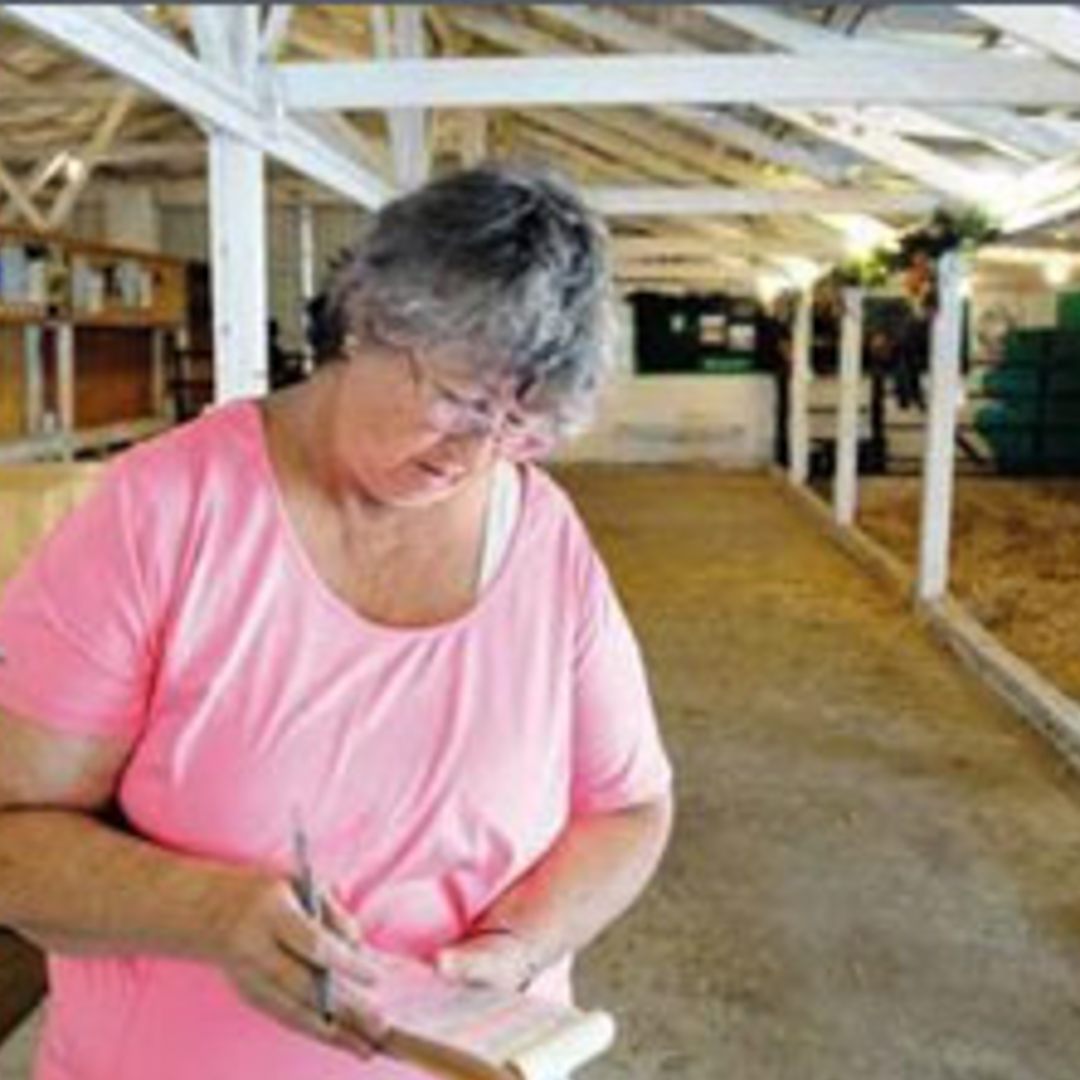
[[502, 263]]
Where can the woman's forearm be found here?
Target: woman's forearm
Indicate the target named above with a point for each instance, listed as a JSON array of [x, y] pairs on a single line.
[[73, 884], [593, 874]]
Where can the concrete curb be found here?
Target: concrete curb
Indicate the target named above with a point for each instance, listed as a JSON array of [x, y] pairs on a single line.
[[1038, 701]]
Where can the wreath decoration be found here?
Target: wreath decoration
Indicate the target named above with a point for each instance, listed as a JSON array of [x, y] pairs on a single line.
[[917, 255]]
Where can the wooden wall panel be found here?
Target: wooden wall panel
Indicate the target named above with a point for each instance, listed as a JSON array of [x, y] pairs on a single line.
[[11, 382], [113, 375]]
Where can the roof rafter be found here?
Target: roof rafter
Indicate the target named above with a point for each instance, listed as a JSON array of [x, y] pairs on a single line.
[[664, 79], [122, 43], [998, 127]]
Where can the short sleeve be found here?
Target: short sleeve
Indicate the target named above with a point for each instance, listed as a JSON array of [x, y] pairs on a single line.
[[76, 650], [619, 759]]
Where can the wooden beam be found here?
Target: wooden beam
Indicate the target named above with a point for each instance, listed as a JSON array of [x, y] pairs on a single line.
[[669, 155], [655, 80], [716, 201], [1053, 28], [229, 39], [618, 31], [46, 168], [997, 127], [846, 477], [845, 126], [940, 452], [801, 376], [840, 128], [238, 249], [305, 242], [20, 201], [275, 30], [399, 35], [89, 158], [110, 36]]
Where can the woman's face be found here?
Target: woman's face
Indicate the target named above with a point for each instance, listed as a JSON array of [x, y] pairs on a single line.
[[411, 435]]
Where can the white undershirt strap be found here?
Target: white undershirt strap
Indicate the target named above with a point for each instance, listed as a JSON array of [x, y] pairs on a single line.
[[504, 505]]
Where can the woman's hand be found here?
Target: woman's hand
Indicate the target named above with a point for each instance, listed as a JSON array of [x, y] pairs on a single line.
[[489, 956], [273, 951]]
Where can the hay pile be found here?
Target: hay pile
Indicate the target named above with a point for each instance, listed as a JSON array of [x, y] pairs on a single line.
[[1016, 560]]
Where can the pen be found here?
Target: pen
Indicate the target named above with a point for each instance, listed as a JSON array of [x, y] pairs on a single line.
[[307, 892]]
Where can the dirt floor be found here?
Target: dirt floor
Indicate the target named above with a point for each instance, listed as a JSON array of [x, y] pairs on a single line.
[[877, 868], [876, 874], [1016, 560]]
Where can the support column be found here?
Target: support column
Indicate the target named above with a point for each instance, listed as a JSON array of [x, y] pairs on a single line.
[[940, 452], [33, 380], [846, 479], [65, 387], [306, 229], [801, 377], [238, 231]]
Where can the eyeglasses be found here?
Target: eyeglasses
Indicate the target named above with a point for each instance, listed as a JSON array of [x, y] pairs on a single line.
[[453, 414]]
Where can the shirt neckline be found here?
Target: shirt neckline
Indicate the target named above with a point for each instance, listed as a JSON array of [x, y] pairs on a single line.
[[284, 528]]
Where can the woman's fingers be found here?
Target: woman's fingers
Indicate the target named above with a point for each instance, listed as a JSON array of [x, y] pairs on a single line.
[[499, 960], [285, 987], [277, 954], [321, 946], [340, 919]]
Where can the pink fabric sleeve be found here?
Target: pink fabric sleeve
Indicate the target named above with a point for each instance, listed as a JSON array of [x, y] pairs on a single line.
[[619, 760], [75, 643]]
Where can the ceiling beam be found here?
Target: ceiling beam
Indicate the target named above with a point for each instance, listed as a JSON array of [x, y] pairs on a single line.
[[113, 38], [1053, 28], [997, 127], [275, 30], [53, 91], [48, 166], [677, 201], [135, 152], [399, 35], [896, 153], [657, 80], [88, 158], [823, 163], [20, 200]]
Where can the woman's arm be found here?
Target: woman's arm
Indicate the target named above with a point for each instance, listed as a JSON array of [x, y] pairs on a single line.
[[73, 884], [599, 866]]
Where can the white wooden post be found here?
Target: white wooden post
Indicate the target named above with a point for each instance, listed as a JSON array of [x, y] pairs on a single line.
[[940, 453], [33, 381], [228, 39], [399, 33], [800, 378], [65, 387], [238, 267], [846, 478], [306, 230]]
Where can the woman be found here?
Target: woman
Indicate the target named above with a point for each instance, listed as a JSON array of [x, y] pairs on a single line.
[[354, 608]]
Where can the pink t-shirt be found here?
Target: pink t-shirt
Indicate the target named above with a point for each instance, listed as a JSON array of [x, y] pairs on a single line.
[[177, 610]]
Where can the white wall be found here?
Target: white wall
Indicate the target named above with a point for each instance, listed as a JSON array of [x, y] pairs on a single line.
[[728, 420], [184, 234], [131, 216]]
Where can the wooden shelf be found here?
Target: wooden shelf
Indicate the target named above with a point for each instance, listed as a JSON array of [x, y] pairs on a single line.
[[22, 314], [78, 264], [123, 320]]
